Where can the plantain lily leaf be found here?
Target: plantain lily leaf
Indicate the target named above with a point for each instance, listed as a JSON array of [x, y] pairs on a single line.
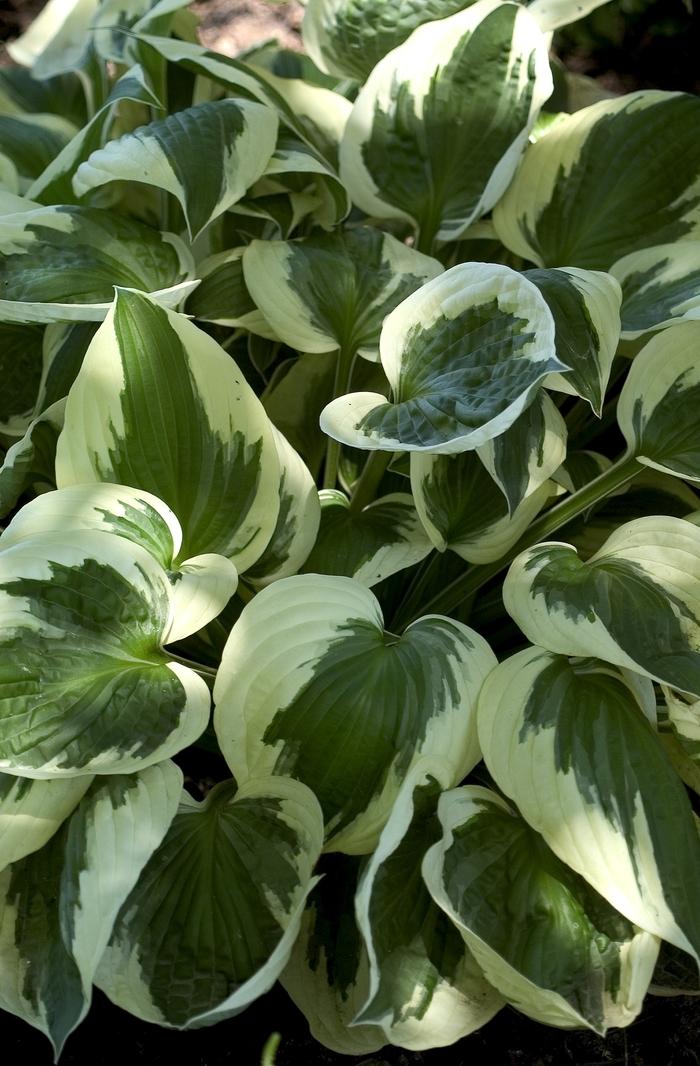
[[349, 37], [659, 287], [462, 508], [657, 410], [322, 113], [684, 716], [64, 349], [607, 800], [425, 988], [526, 455], [57, 41], [580, 195], [54, 184], [31, 142], [222, 296], [86, 686], [342, 676], [235, 137], [463, 355], [57, 906], [62, 263], [310, 376], [585, 305], [483, 71], [579, 468], [219, 904], [335, 290], [206, 449], [635, 603], [21, 365], [369, 546], [548, 942], [30, 461], [201, 587], [297, 167], [553, 14], [31, 812], [327, 975], [297, 522], [117, 22]]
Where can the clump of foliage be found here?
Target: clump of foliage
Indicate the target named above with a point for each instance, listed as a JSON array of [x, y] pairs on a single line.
[[474, 323]]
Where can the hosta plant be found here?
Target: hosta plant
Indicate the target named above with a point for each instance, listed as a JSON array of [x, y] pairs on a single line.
[[329, 381]]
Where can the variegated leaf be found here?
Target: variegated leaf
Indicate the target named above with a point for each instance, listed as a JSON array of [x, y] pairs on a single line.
[[327, 975], [342, 676], [118, 22], [660, 286], [463, 355], [657, 409], [32, 142], [21, 365], [219, 904], [483, 71], [235, 137], [297, 521], [585, 305], [85, 686], [553, 14], [463, 509], [62, 264], [201, 587], [684, 715], [635, 603], [57, 41], [425, 988], [54, 184], [335, 290], [31, 811], [57, 906], [526, 455], [370, 545], [206, 448], [580, 196], [547, 941], [222, 296], [296, 167], [571, 744]]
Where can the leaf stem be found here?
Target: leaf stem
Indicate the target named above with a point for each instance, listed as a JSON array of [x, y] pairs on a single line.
[[343, 369], [207, 672], [368, 482], [624, 470]]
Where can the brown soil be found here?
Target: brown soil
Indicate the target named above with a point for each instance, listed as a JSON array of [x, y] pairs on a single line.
[[231, 26]]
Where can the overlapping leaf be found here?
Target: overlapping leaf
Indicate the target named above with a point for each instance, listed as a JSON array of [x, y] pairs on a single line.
[[342, 677], [463, 355], [607, 800], [483, 71]]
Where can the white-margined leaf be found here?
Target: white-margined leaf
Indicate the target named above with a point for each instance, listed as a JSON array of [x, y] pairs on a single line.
[[635, 603], [85, 686], [579, 468], [463, 509], [483, 71], [526, 455], [201, 586], [64, 348], [54, 184], [206, 448], [334, 290], [581, 196], [297, 521], [585, 305], [322, 113], [296, 167], [660, 286], [31, 811], [425, 988], [348, 38], [219, 904], [58, 905], [206, 156], [30, 461], [571, 744], [118, 23], [463, 355], [658, 407], [62, 264], [57, 41], [370, 545], [309, 668], [553, 14], [327, 975], [550, 944], [684, 716]]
